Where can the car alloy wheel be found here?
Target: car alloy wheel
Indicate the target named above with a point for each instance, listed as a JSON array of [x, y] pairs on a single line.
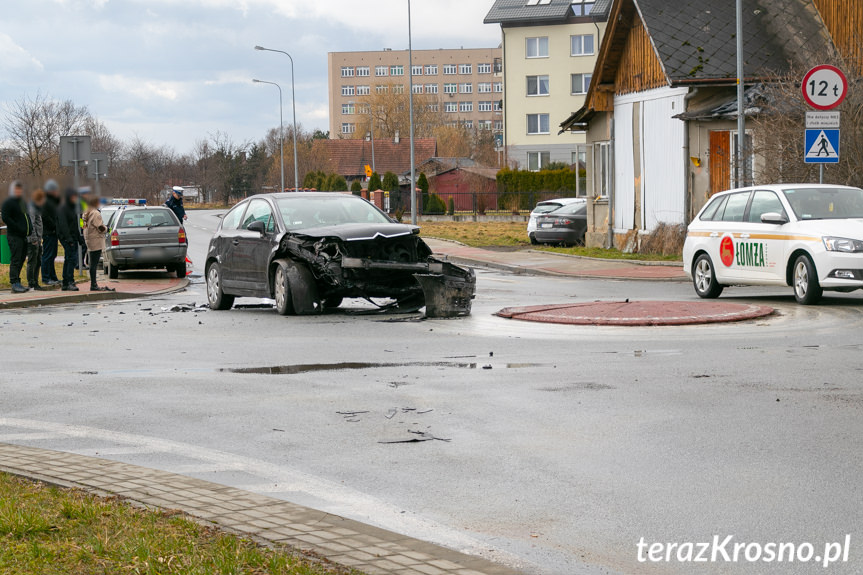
[[807, 290], [282, 290], [704, 278], [217, 299]]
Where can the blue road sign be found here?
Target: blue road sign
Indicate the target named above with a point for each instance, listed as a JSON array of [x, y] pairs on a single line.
[[822, 147]]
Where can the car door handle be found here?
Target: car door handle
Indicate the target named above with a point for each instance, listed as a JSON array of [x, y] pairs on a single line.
[[236, 242], [714, 235]]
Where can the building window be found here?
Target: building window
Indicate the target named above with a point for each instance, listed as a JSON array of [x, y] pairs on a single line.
[[349, 128], [538, 160], [538, 2], [382, 70], [398, 88], [363, 71], [498, 106], [431, 70], [483, 68], [381, 89], [450, 88], [347, 72], [364, 90], [582, 7], [602, 169], [483, 88], [450, 69], [347, 90], [580, 83], [537, 47], [417, 70], [484, 106], [465, 69], [465, 107], [468, 124], [365, 109], [498, 125], [498, 87], [484, 124], [418, 88], [537, 86], [450, 107], [397, 70], [433, 107], [465, 88], [537, 123], [581, 45], [431, 88], [348, 109]]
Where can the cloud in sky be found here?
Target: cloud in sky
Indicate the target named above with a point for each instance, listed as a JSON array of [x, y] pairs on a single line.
[[172, 71]]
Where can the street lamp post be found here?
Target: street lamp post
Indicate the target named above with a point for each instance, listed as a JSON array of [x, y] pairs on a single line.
[[294, 105], [281, 129], [411, 106]]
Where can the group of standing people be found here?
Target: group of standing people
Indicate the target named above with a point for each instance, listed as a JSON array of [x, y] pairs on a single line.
[[35, 227]]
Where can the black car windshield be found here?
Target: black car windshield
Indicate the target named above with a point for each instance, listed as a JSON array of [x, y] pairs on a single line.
[[146, 218], [301, 213], [826, 203]]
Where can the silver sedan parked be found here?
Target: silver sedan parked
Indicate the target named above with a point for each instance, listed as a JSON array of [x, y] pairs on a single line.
[[145, 238]]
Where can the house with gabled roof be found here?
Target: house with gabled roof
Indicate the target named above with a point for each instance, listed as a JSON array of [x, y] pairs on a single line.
[[660, 115]]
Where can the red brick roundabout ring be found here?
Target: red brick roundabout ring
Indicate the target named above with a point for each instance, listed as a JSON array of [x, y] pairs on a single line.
[[638, 313]]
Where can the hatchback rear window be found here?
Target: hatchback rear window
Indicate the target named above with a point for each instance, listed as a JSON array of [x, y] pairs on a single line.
[[147, 219]]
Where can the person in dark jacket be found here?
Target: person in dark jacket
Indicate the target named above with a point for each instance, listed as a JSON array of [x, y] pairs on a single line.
[[18, 227], [175, 202], [34, 240], [49, 238], [69, 233]]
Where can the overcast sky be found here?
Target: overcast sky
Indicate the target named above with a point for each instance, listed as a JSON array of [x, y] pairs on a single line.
[[172, 71]]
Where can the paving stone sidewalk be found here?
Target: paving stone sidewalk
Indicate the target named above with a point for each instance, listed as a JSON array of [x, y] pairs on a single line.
[[370, 549], [125, 289]]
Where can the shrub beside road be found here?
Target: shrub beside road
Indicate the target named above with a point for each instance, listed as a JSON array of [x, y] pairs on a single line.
[[49, 530]]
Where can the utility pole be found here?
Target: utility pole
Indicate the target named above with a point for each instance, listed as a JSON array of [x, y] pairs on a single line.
[[742, 176], [411, 105]]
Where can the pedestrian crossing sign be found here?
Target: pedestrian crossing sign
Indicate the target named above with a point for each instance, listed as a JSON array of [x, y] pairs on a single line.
[[822, 147]]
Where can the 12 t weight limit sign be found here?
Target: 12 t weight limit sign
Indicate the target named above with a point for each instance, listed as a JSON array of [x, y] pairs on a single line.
[[824, 87]]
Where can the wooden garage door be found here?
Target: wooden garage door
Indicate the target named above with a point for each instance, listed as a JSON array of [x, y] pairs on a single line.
[[720, 161]]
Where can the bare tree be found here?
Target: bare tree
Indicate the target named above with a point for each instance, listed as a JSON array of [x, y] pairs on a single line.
[[34, 127]]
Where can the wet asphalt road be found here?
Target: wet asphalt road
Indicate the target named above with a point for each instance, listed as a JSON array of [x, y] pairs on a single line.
[[572, 445]]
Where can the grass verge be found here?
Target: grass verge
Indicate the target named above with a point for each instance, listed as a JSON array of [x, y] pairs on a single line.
[[606, 254], [46, 530], [478, 234], [4, 275]]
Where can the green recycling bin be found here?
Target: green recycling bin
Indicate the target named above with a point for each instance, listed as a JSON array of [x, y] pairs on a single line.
[[5, 254]]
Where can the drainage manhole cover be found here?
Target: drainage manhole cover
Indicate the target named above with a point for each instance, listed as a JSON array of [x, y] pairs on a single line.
[[639, 313]]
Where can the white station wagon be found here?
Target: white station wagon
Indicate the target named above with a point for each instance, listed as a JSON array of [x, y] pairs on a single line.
[[807, 236]]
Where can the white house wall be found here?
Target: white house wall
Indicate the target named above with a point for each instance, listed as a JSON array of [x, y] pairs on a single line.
[[661, 180], [624, 167]]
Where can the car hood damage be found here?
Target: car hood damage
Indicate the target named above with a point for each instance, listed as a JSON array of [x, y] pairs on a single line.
[[381, 261]]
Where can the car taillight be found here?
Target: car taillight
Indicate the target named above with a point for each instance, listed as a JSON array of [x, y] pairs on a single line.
[[181, 236], [562, 222], [115, 238]]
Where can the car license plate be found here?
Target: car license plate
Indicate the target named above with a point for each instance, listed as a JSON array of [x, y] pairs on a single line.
[[548, 225], [149, 253]]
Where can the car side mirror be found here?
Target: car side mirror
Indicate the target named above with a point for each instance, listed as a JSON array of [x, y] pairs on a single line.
[[774, 218], [259, 227]]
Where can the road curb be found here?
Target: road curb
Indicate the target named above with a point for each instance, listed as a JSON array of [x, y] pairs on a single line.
[[265, 519], [520, 270], [88, 297], [648, 263]]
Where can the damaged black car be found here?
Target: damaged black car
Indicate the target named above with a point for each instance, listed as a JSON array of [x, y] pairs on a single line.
[[309, 251]]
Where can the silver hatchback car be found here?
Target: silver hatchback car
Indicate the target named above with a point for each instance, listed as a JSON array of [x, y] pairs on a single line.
[[145, 238]]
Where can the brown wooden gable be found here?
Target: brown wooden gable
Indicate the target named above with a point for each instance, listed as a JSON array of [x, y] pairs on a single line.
[[627, 61], [844, 21], [639, 68]]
